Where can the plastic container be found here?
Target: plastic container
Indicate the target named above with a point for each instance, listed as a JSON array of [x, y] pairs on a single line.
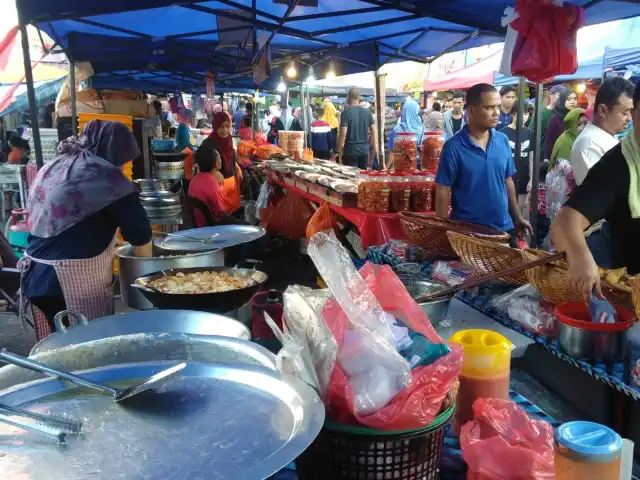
[[586, 450], [422, 197], [485, 370], [399, 192], [345, 452], [163, 145], [372, 191], [362, 188], [431, 149], [382, 193], [405, 151]]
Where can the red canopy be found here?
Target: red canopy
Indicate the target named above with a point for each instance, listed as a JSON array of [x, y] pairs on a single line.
[[481, 72]]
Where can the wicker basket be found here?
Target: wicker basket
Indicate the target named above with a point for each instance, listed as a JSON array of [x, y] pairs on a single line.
[[551, 281], [635, 294], [430, 232], [487, 257]]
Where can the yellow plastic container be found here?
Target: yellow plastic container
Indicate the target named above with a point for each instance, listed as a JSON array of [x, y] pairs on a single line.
[[485, 370], [87, 117]]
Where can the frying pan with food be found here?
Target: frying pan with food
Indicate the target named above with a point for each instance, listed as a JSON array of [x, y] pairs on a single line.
[[218, 302]]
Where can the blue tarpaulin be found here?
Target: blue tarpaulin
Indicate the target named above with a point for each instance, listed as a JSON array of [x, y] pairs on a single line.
[[621, 57], [586, 70], [170, 44]]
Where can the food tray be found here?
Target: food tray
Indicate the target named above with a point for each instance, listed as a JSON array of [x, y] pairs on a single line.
[[208, 424], [430, 232]]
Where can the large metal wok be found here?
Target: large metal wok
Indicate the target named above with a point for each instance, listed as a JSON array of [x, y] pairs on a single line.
[[209, 302], [143, 347], [169, 321]]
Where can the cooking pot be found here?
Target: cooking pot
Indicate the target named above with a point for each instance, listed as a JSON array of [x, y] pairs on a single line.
[[170, 321], [169, 170], [132, 267]]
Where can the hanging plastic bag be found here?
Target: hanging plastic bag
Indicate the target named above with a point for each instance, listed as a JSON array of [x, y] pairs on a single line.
[[358, 320], [503, 443], [263, 198], [546, 44], [322, 220], [288, 218]]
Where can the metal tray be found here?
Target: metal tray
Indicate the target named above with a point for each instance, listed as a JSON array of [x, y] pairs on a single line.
[[226, 236], [214, 422]]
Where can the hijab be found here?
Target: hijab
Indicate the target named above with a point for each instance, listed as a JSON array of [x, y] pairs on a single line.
[[560, 108], [224, 146], [330, 114], [83, 179], [411, 121], [562, 147]]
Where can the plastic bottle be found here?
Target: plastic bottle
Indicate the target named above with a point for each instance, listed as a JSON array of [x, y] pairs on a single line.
[[485, 370]]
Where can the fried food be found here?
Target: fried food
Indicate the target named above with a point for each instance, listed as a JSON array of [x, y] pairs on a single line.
[[203, 282], [617, 277]]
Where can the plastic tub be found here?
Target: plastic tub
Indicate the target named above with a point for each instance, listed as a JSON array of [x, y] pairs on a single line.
[[587, 450], [163, 145]]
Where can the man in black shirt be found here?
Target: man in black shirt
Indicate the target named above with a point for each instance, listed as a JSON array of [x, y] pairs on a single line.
[[604, 194], [357, 127], [521, 161]]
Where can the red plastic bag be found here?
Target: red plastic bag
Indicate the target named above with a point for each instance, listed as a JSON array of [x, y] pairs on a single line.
[[322, 220], [503, 443], [288, 218], [546, 43], [418, 404]]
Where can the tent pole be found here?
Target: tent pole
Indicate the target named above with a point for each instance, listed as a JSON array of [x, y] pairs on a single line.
[[378, 97], [31, 91], [72, 98], [536, 164], [519, 125]]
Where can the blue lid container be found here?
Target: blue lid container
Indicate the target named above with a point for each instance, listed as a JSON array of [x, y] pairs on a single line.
[[163, 145], [590, 442]]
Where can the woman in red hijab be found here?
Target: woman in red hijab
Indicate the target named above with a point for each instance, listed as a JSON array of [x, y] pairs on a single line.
[[229, 176]]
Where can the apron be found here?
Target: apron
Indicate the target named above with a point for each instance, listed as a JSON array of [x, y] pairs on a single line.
[[86, 283]]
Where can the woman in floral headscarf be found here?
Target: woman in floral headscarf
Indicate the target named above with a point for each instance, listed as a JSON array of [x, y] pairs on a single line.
[[76, 203]]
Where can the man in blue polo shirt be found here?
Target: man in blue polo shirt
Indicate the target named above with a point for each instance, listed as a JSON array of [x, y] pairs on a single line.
[[476, 168]]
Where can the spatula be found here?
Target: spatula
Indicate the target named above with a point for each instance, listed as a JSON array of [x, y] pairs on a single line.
[[118, 394]]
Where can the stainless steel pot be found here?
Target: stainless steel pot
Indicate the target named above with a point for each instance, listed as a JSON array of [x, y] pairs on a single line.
[[143, 347], [169, 321], [436, 310], [169, 170], [592, 344], [132, 267]]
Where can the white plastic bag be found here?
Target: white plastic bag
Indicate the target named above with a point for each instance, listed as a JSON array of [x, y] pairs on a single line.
[[263, 199], [303, 320], [375, 370], [525, 306]]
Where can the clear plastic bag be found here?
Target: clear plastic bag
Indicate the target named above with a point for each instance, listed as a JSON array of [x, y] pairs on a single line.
[[360, 308], [263, 198], [303, 319], [525, 306], [450, 272], [503, 443]]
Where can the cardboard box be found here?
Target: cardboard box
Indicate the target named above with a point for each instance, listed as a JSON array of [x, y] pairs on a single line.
[[345, 200]]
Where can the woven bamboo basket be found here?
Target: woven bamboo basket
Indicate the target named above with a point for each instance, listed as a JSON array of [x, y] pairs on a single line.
[[551, 281], [487, 257], [430, 232], [635, 294]]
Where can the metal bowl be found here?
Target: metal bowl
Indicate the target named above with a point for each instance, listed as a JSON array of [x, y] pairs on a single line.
[[436, 310], [592, 344], [152, 184]]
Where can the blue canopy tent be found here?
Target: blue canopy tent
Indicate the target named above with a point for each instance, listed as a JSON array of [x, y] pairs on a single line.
[[620, 57], [170, 44], [586, 70]]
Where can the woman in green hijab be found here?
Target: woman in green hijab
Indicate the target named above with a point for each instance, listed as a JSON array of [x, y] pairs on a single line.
[[560, 180], [574, 123]]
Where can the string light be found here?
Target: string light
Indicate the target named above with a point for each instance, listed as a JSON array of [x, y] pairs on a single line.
[[291, 70], [282, 87]]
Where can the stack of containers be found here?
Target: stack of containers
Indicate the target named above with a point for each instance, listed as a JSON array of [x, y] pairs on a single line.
[[292, 143]]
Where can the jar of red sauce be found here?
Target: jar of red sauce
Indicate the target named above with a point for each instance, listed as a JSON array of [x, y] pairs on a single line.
[[431, 148], [372, 192], [486, 370], [405, 151], [399, 192], [382, 197], [363, 180]]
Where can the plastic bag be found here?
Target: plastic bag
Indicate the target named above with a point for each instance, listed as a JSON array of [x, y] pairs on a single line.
[[288, 218], [360, 302], [525, 306], [503, 443], [263, 198], [303, 318], [450, 272], [546, 43], [322, 220]]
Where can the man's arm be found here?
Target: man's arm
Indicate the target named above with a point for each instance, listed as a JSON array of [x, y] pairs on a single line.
[[374, 139], [442, 200], [567, 231], [514, 210], [342, 136]]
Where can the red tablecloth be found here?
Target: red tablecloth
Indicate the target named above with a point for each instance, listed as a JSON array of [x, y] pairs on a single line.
[[374, 228]]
